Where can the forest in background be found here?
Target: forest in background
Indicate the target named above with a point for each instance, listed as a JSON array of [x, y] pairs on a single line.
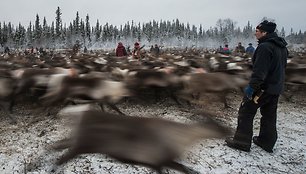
[[57, 35]]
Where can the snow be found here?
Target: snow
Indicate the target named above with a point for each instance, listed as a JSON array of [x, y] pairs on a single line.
[[28, 141]]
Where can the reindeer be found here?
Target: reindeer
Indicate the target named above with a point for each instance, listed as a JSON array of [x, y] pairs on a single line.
[[37, 78], [93, 88], [296, 75], [295, 79], [7, 87], [219, 83], [154, 81], [151, 142]]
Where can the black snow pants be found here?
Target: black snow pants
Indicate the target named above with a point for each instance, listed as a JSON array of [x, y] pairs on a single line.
[[247, 111]]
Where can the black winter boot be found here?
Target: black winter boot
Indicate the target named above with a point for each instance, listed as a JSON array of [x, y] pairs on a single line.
[[260, 144], [235, 144]]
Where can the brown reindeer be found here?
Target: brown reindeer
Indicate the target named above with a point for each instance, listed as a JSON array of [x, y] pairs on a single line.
[[219, 83], [7, 86], [156, 82], [295, 80], [38, 78], [151, 142], [93, 88]]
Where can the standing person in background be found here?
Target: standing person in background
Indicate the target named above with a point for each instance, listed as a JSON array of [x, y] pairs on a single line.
[[156, 50], [250, 50], [220, 49], [7, 50], [151, 49], [136, 51], [226, 50], [265, 86], [85, 49], [120, 50], [240, 49]]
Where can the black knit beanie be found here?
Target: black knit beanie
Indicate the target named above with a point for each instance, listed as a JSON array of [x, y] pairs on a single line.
[[267, 26]]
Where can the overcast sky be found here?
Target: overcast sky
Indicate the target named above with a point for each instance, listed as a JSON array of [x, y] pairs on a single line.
[[286, 13]]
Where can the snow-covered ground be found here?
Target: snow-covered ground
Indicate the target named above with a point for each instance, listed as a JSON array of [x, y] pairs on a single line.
[[27, 141]]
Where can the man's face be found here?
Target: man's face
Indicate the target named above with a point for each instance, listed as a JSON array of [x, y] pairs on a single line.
[[259, 34]]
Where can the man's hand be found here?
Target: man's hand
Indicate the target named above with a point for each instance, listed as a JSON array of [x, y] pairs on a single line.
[[249, 91]]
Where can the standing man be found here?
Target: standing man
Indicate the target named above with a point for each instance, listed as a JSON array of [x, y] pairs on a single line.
[[136, 51], [250, 49], [240, 49], [265, 86], [156, 50]]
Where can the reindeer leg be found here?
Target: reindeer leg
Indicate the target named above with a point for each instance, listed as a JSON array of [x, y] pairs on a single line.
[[8, 107], [179, 100], [196, 96], [288, 92], [69, 101], [67, 156], [180, 167], [287, 96], [101, 104], [223, 98], [175, 99], [158, 170], [71, 153], [157, 95], [171, 92], [114, 107], [62, 144], [23, 86], [12, 119]]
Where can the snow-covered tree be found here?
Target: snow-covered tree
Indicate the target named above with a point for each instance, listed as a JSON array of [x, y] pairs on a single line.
[[88, 30], [166, 33], [58, 23]]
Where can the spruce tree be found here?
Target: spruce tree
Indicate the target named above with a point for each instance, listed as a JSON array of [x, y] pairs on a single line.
[[58, 23], [87, 26]]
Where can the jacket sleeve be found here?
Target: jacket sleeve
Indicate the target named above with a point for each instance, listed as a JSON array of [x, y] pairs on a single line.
[[261, 65]]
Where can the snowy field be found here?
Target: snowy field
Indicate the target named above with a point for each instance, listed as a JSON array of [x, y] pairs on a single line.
[[27, 141]]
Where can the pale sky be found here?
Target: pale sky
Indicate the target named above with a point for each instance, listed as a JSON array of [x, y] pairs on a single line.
[[286, 13]]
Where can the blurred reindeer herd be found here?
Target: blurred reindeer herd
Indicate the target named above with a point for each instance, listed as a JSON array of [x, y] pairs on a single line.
[[101, 77]]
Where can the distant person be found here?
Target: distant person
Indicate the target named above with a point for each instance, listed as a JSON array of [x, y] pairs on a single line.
[[226, 50], [120, 50], [239, 49], [7, 50], [250, 49], [85, 49], [151, 49], [41, 50], [265, 86], [156, 50], [136, 51]]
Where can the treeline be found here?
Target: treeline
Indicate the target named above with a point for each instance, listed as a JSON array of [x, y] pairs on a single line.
[[166, 33]]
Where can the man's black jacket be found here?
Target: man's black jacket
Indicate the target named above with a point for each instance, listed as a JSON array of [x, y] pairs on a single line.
[[269, 64]]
